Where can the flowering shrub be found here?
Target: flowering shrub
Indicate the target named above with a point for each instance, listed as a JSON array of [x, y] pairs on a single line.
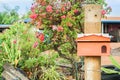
[[61, 21]]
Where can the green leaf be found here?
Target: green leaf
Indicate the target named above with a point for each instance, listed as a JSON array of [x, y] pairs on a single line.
[[109, 71], [114, 62]]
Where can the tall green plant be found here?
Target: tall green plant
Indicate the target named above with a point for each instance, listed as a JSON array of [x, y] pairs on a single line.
[[16, 45], [9, 16], [23, 50], [11, 45]]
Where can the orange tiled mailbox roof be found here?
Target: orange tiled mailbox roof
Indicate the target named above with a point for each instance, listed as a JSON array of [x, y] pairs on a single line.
[[93, 37]]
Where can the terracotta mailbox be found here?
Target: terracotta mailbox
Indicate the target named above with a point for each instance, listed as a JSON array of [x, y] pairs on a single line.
[[93, 45]]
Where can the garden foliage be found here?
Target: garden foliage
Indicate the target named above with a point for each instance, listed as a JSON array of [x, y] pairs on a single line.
[[9, 15], [37, 53], [23, 50]]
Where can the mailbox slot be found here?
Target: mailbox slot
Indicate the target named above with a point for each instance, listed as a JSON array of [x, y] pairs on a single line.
[[103, 49]]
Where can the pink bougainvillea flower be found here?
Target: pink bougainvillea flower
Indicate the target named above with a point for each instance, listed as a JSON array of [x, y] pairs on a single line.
[[57, 11], [49, 8], [35, 44], [41, 37], [60, 29], [43, 3], [68, 5], [54, 27], [39, 23], [33, 7], [33, 16], [103, 12], [63, 17], [63, 9], [14, 41], [76, 11], [65, 4]]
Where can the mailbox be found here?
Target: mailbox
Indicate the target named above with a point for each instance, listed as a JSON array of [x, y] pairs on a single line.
[[93, 45]]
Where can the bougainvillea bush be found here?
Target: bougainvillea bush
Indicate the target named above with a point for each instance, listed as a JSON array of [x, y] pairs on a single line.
[[60, 21]]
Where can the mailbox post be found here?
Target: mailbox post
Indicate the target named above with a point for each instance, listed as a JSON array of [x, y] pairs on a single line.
[[93, 46]]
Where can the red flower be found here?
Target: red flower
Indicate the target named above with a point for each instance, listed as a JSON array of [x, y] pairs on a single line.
[[63, 9], [49, 8], [41, 37], [103, 12], [33, 16], [63, 17], [15, 41], [35, 44], [60, 29], [43, 3], [76, 11]]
